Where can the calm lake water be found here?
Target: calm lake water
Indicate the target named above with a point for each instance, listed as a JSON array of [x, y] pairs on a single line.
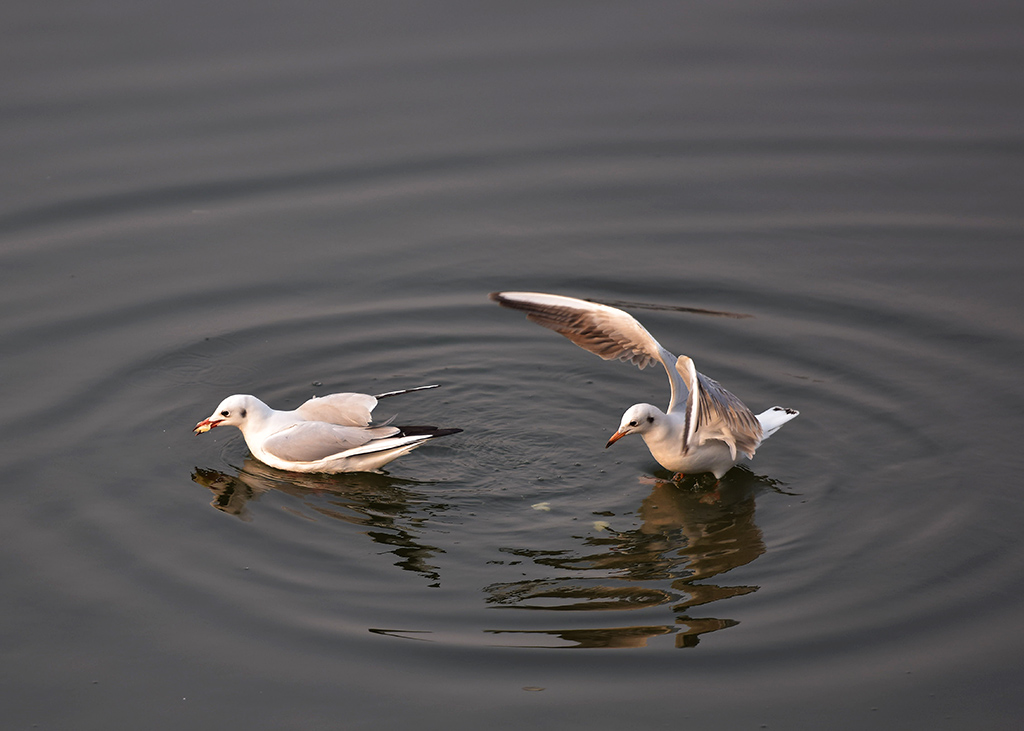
[[302, 198]]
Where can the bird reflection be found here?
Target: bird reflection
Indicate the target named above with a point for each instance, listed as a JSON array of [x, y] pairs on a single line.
[[689, 533], [388, 507]]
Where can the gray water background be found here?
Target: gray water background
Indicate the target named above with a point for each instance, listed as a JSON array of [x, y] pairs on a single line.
[[293, 199]]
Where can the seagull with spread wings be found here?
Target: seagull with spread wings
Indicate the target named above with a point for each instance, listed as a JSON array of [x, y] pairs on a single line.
[[705, 429]]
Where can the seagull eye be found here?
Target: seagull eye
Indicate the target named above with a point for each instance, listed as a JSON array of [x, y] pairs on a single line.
[[632, 423], [224, 413]]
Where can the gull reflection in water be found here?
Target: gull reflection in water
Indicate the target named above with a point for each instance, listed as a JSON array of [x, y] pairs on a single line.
[[688, 534], [389, 508]]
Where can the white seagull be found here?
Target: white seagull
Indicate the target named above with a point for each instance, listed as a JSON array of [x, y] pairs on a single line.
[[706, 428], [327, 434]]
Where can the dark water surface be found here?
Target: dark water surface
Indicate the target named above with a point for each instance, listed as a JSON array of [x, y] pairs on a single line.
[[295, 199]]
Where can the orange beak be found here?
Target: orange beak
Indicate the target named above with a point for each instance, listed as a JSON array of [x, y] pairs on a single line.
[[205, 425], [615, 437]]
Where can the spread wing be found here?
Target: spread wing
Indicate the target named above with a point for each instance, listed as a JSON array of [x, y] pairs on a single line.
[[714, 413], [309, 441], [605, 331], [347, 409]]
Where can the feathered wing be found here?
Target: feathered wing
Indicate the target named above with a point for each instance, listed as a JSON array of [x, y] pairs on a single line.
[[346, 409], [714, 413], [310, 441], [399, 444], [605, 331]]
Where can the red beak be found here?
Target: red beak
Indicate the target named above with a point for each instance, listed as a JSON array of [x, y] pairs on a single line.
[[615, 437]]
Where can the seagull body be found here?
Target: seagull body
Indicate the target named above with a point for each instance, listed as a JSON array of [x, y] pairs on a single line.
[[328, 434], [705, 428]]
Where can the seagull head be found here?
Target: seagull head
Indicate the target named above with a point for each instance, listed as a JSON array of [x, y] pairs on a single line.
[[636, 420], [233, 411]]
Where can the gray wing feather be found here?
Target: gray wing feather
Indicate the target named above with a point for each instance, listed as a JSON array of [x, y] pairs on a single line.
[[347, 409], [605, 331], [310, 441], [714, 413]]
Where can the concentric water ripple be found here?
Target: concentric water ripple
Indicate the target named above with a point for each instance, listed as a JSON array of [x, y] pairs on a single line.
[[555, 524], [300, 221]]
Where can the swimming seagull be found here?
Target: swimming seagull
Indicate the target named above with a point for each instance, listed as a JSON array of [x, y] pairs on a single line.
[[706, 428], [326, 434]]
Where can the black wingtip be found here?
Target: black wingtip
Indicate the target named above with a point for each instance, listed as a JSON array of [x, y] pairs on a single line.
[[431, 431], [447, 432]]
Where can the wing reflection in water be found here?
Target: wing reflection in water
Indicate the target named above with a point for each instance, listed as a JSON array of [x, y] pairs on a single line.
[[390, 510], [688, 534]]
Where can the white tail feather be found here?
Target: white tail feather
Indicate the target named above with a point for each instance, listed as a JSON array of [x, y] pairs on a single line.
[[773, 419]]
